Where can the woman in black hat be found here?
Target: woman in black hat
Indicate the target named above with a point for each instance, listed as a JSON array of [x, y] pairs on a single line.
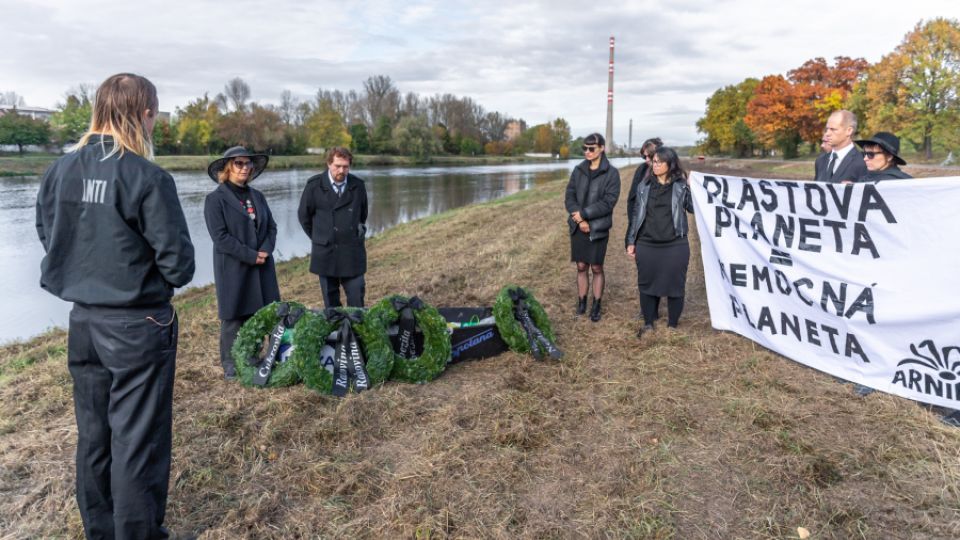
[[244, 233], [880, 155], [592, 192]]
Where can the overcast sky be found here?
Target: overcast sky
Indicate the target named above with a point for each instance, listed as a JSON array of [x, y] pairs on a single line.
[[531, 59]]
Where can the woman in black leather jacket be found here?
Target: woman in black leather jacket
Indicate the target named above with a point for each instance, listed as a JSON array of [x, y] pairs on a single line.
[[592, 193], [657, 237]]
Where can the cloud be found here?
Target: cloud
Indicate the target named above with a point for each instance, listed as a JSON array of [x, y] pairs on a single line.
[[534, 59]]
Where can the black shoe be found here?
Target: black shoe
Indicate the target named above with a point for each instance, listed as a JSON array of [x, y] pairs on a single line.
[[644, 329], [595, 310], [581, 305]]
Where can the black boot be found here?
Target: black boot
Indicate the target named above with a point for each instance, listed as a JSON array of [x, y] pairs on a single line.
[[595, 310], [581, 305]]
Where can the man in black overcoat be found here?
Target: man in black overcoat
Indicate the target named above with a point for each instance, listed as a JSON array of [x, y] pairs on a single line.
[[843, 163], [333, 213]]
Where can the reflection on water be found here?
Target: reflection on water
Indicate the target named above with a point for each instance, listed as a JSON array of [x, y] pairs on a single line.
[[396, 195]]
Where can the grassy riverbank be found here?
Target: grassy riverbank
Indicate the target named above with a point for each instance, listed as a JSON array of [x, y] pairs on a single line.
[[36, 164], [685, 434]]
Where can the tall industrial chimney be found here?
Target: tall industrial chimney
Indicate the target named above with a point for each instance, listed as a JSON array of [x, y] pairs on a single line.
[[630, 138], [609, 134]]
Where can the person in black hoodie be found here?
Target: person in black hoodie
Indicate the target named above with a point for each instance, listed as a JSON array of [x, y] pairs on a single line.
[[117, 245], [657, 237], [244, 234], [592, 192], [880, 154]]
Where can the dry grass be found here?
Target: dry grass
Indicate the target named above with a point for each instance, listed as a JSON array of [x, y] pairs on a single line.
[[686, 434]]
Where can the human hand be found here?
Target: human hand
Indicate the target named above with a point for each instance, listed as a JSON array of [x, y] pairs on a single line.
[[584, 226], [262, 257], [576, 217], [632, 251]]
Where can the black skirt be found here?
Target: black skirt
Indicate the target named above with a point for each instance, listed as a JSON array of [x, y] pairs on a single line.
[[584, 251], [662, 269]]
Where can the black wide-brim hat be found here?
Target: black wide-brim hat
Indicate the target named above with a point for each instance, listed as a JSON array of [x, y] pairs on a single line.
[[259, 162], [886, 140]]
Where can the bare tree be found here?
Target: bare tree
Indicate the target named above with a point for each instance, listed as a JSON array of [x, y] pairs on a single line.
[[237, 92], [12, 99], [381, 97], [288, 108]]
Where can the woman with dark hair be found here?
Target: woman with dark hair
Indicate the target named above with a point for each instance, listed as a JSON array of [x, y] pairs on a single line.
[[592, 192], [117, 245], [657, 237], [880, 156], [244, 233]]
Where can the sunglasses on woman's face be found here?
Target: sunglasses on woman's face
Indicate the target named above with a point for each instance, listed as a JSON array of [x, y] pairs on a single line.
[[242, 164], [590, 149], [870, 155]]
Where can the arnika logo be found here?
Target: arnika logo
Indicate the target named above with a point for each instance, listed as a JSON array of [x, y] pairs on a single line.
[[935, 373]]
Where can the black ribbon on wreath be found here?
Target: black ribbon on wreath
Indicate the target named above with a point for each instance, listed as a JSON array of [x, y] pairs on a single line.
[[539, 344], [348, 362], [288, 318], [407, 325]]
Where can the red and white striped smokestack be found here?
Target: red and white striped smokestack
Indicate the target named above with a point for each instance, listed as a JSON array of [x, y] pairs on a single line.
[[609, 133]]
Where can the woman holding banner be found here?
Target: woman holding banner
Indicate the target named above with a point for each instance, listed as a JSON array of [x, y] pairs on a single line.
[[657, 237], [592, 193], [880, 155]]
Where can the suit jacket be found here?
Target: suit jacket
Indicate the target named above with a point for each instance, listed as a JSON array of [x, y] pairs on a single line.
[[336, 226], [851, 167], [243, 286]]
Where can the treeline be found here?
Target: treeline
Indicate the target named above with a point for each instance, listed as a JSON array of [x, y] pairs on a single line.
[[912, 91], [379, 119]]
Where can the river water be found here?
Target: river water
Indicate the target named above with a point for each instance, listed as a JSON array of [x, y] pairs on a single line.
[[396, 195]]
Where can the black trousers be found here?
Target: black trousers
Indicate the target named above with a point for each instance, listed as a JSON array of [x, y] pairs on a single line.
[[122, 361], [650, 306], [355, 287], [228, 334]]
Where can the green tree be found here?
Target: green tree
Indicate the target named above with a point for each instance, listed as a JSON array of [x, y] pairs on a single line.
[[560, 135], [165, 138], [325, 127], [413, 137], [360, 139], [914, 89], [72, 118], [196, 126], [470, 147], [22, 130], [382, 132], [722, 123]]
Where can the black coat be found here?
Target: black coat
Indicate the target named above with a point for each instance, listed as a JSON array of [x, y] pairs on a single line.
[[594, 199], [243, 286], [680, 201], [892, 173], [851, 167], [337, 226]]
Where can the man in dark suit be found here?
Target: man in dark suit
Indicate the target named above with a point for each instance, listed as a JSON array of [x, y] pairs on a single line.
[[844, 163], [333, 213]]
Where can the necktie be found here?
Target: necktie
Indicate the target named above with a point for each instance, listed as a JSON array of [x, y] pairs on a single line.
[[833, 161], [339, 188]]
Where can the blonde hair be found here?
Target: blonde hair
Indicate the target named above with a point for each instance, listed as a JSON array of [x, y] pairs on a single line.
[[118, 110], [223, 175]]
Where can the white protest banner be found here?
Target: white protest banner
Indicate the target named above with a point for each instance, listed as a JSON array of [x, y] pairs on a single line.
[[859, 281]]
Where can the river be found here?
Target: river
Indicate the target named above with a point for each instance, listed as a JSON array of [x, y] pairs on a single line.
[[396, 195]]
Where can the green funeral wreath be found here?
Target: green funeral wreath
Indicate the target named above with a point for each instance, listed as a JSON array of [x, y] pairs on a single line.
[[311, 335], [436, 341], [510, 329], [249, 340]]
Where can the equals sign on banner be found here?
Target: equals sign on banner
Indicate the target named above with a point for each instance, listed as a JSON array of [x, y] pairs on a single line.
[[780, 257]]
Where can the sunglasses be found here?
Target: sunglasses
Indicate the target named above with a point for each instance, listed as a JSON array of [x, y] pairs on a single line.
[[243, 164], [870, 155], [589, 148]]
